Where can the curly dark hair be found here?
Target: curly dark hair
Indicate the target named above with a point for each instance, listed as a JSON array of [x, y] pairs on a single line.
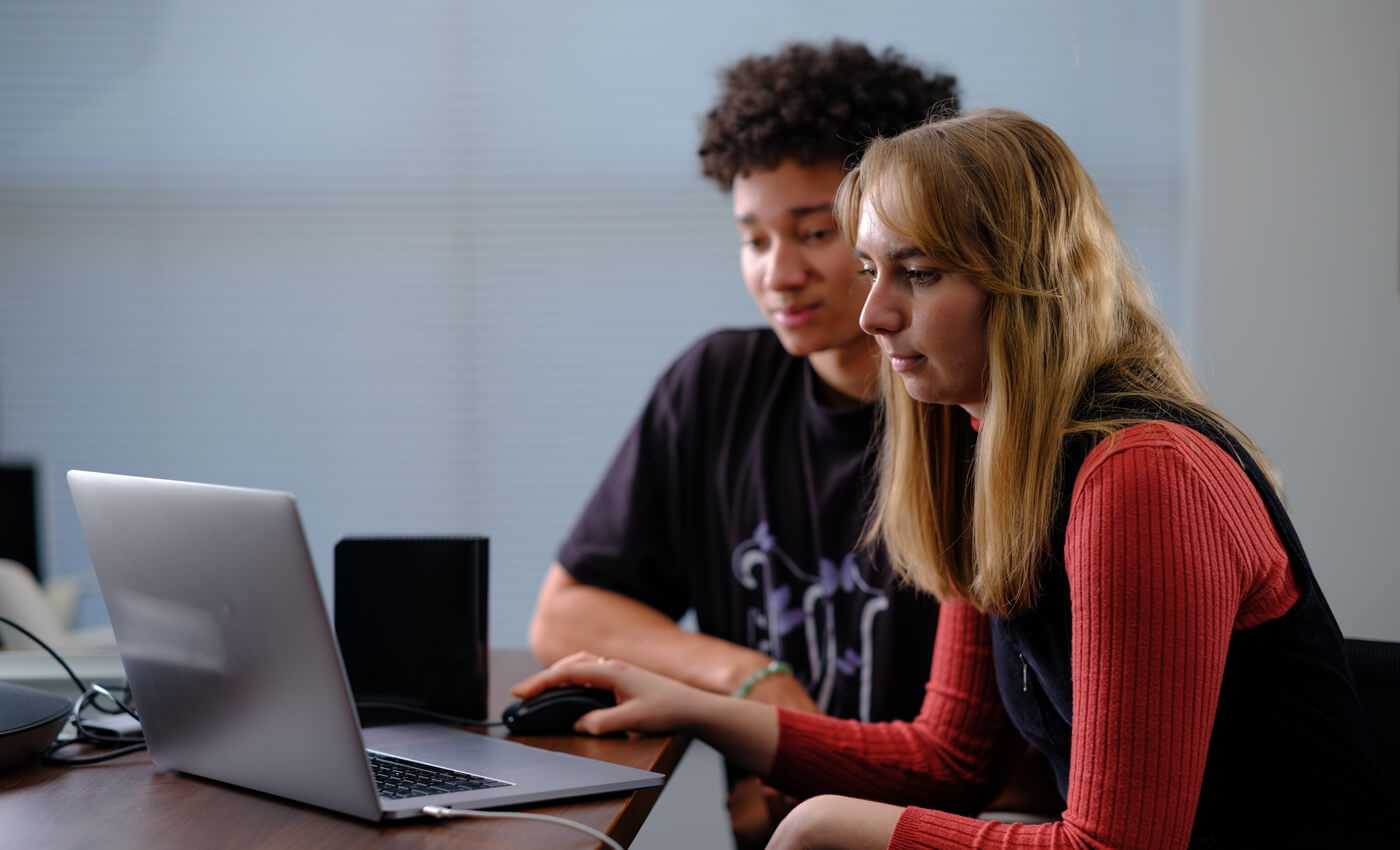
[[812, 105]]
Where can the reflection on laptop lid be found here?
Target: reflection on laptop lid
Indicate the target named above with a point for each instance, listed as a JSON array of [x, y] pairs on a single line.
[[230, 656]]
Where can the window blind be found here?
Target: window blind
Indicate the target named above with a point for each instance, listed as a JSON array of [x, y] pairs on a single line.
[[418, 263]]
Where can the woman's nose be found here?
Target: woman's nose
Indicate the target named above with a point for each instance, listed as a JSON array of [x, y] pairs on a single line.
[[881, 313]]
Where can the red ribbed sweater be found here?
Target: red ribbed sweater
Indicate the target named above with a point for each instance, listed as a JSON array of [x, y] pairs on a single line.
[[1169, 548]]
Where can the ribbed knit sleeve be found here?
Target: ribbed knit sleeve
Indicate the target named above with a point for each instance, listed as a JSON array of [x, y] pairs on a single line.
[[955, 755], [1169, 549]]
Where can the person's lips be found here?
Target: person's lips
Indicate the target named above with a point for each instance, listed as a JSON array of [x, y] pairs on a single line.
[[795, 315], [905, 362]]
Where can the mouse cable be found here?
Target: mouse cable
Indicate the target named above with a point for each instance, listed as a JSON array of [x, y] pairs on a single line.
[[444, 812], [56, 657], [413, 709], [87, 699]]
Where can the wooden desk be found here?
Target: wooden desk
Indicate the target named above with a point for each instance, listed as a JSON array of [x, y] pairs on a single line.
[[128, 803]]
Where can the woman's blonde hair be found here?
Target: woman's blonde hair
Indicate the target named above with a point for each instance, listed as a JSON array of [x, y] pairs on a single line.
[[998, 196]]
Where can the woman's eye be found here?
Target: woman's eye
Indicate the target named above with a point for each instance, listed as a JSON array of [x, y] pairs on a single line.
[[923, 276]]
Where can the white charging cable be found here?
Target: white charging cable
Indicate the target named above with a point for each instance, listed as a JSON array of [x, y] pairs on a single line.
[[444, 812]]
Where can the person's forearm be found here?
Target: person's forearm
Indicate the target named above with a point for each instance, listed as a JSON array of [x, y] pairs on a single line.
[[745, 732], [573, 617]]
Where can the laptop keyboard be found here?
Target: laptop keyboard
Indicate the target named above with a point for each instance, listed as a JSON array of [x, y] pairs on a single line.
[[397, 778]]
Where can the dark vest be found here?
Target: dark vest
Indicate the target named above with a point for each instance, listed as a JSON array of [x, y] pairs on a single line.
[[1288, 763]]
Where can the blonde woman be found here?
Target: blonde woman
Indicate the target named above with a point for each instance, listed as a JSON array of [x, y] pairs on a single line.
[[1120, 583]]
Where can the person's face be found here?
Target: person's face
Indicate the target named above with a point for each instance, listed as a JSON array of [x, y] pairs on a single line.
[[928, 321], [798, 269]]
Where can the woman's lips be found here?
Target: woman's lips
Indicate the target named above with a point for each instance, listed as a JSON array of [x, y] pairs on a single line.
[[905, 362], [795, 315]]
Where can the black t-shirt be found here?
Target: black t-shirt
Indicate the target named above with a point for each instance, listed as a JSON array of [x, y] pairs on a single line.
[[738, 495]]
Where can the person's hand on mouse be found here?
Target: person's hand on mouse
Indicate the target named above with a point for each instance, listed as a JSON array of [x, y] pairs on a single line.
[[646, 701], [744, 731]]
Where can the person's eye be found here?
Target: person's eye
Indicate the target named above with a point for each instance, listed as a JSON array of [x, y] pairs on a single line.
[[867, 271], [923, 277], [818, 235], [753, 243]]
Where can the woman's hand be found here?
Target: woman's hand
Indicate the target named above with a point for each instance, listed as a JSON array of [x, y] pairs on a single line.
[[829, 822], [646, 701], [744, 731]]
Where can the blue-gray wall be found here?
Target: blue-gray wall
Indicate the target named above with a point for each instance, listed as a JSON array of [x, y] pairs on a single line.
[[419, 262]]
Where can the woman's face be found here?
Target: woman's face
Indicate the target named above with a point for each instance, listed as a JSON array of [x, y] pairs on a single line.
[[928, 321]]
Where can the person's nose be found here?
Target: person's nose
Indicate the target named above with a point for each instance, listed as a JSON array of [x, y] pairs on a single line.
[[883, 312], [787, 266]]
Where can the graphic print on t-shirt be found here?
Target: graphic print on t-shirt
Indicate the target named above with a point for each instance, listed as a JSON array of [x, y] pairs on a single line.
[[793, 598]]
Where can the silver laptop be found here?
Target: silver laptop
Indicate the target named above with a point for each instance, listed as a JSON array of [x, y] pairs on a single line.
[[235, 671]]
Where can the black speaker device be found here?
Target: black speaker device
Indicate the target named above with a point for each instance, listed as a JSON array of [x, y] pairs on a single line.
[[30, 719], [411, 621]]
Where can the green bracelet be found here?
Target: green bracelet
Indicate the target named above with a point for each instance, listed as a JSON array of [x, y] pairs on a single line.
[[773, 669]]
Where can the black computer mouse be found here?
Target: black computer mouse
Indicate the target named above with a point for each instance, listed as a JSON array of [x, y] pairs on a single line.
[[553, 712]]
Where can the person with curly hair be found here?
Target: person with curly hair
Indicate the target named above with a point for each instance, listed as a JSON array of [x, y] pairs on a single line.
[[741, 489], [1121, 585]]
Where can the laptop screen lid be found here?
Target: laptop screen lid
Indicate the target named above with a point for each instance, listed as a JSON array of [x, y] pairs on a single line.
[[234, 667]]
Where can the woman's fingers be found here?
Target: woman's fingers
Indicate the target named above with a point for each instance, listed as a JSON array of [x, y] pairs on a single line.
[[602, 721], [578, 669], [576, 658], [646, 702], [637, 714]]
